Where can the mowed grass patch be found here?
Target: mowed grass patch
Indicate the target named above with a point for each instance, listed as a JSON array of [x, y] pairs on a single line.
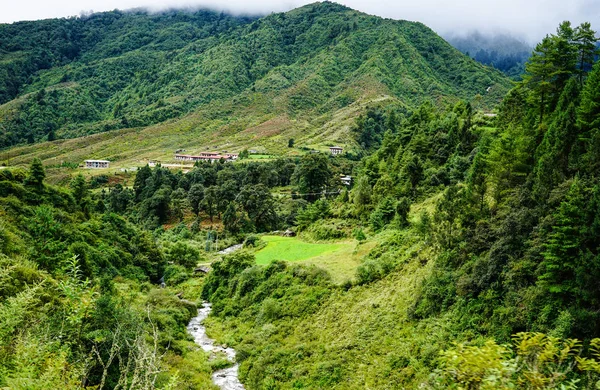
[[293, 249], [340, 259]]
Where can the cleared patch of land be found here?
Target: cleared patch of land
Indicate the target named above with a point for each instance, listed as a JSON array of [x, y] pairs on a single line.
[[293, 249], [339, 258]]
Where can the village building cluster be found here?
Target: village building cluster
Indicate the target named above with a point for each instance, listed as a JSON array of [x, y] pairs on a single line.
[[206, 156]]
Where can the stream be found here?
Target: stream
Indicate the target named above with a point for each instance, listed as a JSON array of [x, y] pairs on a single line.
[[227, 378], [231, 249]]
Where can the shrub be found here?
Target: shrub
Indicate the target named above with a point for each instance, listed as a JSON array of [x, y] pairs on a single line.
[[312, 212], [270, 310], [320, 231], [359, 234], [376, 220], [183, 254], [176, 274], [251, 241], [375, 269], [368, 272], [402, 210], [534, 361]]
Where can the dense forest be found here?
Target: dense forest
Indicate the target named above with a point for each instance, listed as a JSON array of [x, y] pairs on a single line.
[[64, 78], [77, 295], [478, 233]]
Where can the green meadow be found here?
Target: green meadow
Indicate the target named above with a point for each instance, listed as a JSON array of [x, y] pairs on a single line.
[[293, 249], [340, 258]]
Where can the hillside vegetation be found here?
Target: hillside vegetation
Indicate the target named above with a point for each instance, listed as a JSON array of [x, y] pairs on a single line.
[[465, 253], [484, 230], [79, 305], [199, 80]]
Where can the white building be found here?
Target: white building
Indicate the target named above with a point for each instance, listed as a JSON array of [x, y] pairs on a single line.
[[97, 164], [206, 156], [335, 150]]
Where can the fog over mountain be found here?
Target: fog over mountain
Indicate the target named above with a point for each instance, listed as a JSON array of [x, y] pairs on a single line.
[[500, 50], [530, 20]]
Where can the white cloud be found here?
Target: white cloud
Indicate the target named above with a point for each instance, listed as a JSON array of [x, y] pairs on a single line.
[[530, 19]]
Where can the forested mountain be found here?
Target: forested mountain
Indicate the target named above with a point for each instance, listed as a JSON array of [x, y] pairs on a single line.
[[502, 51], [64, 78]]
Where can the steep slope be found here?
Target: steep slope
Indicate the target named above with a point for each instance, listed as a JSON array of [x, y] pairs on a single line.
[[117, 70], [74, 72]]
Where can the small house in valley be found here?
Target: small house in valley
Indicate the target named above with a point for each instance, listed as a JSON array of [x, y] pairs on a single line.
[[335, 150], [346, 179], [97, 164]]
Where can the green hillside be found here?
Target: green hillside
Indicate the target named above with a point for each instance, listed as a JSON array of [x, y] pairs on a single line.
[[205, 80], [463, 252], [484, 256]]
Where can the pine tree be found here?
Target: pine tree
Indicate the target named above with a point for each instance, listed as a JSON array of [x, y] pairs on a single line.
[[140, 181], [589, 110], [236, 221], [585, 42], [563, 58], [361, 195], [37, 174], [81, 194], [476, 179], [195, 197], [538, 77], [312, 175], [588, 118], [414, 172], [553, 153], [230, 219], [79, 187], [571, 266], [178, 198], [211, 200]]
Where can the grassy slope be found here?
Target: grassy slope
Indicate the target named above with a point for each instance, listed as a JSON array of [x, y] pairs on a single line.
[[304, 80], [293, 249], [340, 258], [360, 338]]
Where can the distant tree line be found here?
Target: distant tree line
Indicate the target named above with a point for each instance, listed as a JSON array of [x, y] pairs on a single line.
[[240, 194]]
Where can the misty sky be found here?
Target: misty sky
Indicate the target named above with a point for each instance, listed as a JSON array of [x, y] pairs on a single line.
[[527, 19]]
